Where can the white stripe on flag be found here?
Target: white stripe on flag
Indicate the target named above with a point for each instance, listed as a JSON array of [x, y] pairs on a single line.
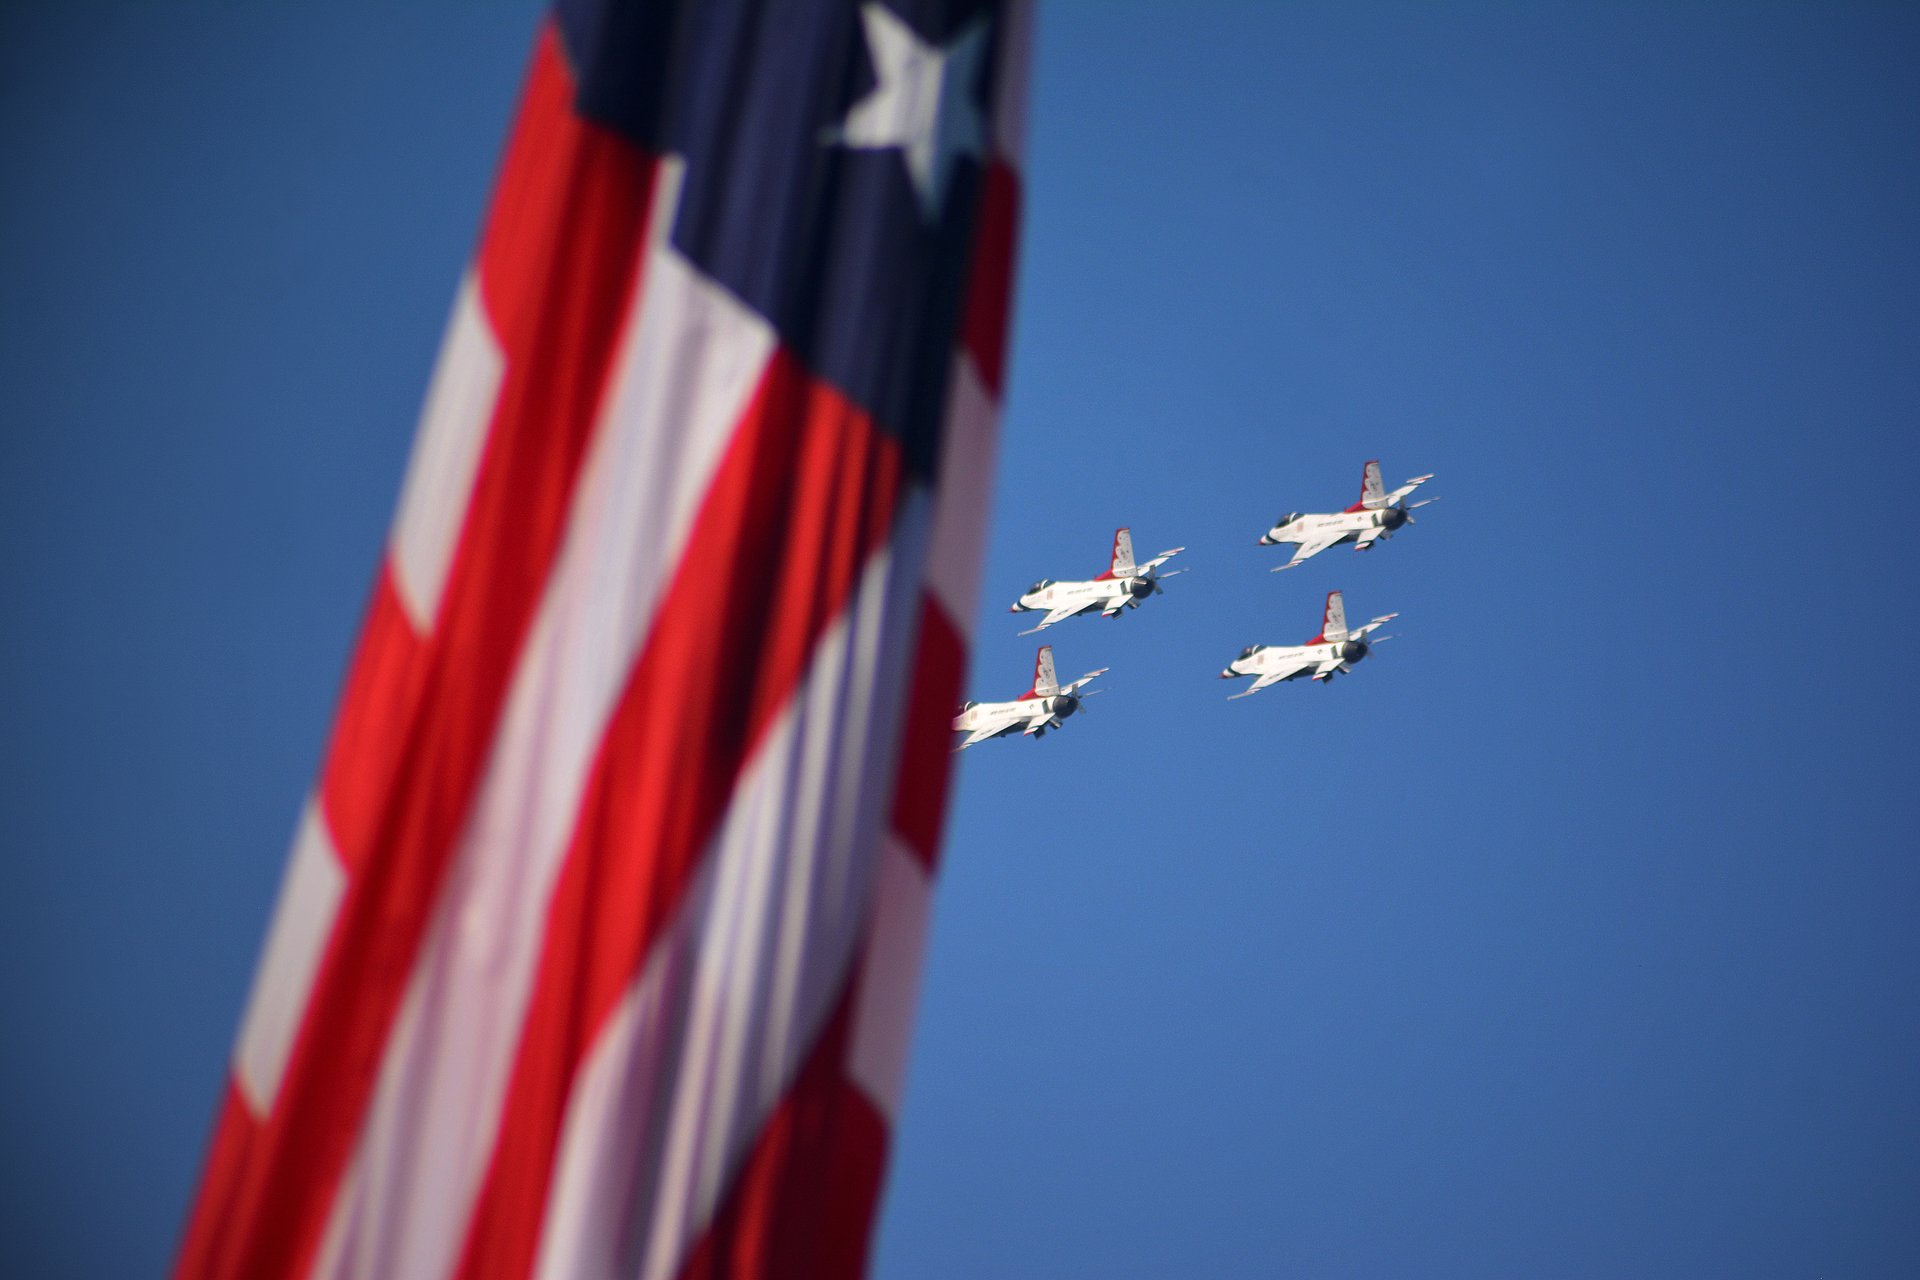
[[966, 489], [446, 453], [707, 1040], [310, 891], [890, 977], [689, 365]]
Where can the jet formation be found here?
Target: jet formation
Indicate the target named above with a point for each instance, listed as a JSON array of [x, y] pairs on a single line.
[[1334, 651]]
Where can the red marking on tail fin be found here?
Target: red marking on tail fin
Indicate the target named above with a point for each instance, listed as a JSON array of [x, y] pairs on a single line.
[[1369, 479], [1366, 471], [1042, 664], [1114, 557], [1326, 616]]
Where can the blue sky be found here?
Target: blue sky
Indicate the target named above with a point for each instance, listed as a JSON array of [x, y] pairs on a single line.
[[1572, 936]]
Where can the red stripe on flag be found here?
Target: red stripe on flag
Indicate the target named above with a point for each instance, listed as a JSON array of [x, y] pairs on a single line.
[[926, 745], [801, 1205], [803, 497], [570, 214], [532, 193], [989, 313], [209, 1226], [384, 677], [381, 695]]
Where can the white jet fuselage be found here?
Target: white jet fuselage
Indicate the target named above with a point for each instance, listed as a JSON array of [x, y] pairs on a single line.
[[1107, 594], [1123, 586], [1022, 715], [1330, 653], [1042, 707], [1333, 528], [1377, 515], [1317, 661]]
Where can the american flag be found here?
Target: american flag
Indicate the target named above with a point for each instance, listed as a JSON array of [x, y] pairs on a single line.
[[597, 947]]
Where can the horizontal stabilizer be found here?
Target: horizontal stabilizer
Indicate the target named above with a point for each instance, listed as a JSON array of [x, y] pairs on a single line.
[[1399, 495], [1098, 671]]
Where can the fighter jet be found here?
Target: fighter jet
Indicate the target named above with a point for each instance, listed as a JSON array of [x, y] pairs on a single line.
[[1375, 516], [1332, 652], [1034, 712], [1123, 586]]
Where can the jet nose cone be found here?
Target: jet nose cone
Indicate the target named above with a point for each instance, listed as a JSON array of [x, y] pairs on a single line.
[[1013, 608], [1265, 541], [1227, 674]]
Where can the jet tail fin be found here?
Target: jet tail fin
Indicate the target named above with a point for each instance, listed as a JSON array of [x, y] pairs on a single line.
[[1045, 684], [1333, 622], [1373, 492], [1122, 566]]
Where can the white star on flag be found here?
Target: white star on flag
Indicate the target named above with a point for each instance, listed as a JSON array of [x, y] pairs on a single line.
[[923, 104]]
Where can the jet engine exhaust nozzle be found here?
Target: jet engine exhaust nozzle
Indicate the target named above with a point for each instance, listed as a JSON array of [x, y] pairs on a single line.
[[1141, 587], [1353, 651], [1393, 518], [1065, 705]]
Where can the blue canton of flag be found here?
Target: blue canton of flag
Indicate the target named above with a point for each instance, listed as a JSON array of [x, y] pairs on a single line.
[[834, 158]]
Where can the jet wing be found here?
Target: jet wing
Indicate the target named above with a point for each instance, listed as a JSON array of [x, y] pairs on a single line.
[[1328, 668], [1311, 548], [1061, 614], [1256, 686], [1368, 537], [1274, 677], [995, 722]]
